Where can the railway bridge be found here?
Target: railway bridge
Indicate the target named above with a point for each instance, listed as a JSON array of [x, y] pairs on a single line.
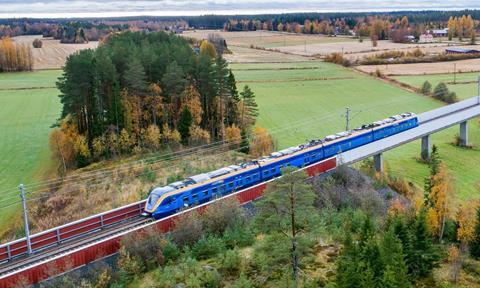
[[76, 244]]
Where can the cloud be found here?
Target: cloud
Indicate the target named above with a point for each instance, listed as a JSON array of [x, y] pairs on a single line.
[[98, 8]]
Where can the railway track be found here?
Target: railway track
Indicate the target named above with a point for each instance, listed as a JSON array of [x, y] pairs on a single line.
[[38, 256]]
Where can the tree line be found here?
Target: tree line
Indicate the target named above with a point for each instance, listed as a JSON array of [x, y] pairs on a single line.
[[14, 56], [146, 91]]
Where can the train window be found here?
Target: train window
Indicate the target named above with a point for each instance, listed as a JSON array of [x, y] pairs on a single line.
[[265, 172], [195, 198], [273, 170], [185, 199], [255, 176], [230, 185], [247, 179], [214, 190], [204, 193], [222, 187]]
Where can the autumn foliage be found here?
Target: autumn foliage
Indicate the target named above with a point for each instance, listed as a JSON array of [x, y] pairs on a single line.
[[262, 142], [14, 57]]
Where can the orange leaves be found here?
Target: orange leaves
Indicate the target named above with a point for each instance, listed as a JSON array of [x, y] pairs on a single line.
[[439, 199], [262, 142], [232, 134], [14, 57], [466, 218]]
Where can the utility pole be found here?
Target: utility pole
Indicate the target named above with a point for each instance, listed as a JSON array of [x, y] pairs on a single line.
[[347, 118], [454, 73], [25, 218], [305, 49], [478, 90]]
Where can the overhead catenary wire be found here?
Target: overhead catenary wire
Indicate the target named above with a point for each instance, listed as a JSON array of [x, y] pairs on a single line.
[[202, 151]]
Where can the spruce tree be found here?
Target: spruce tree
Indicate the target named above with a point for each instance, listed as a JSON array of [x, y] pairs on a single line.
[[395, 268], [184, 124], [424, 256], [348, 264], [475, 244]]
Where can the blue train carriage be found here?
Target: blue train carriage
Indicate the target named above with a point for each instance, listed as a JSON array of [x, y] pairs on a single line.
[[201, 188]]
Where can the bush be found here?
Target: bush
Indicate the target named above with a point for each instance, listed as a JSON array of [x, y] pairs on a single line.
[[145, 247], [170, 251], [223, 214], [426, 88], [338, 58], [442, 93], [208, 247], [242, 282], [37, 43], [232, 262], [238, 236], [188, 229]]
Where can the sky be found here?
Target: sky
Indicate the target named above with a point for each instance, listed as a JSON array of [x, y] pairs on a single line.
[[112, 8]]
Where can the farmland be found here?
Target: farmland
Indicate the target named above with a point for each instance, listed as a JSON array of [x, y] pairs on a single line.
[[464, 84], [294, 109], [28, 107], [53, 54]]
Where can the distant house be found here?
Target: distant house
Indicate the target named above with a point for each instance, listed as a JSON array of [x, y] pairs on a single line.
[[461, 51], [439, 32], [426, 38], [409, 38]]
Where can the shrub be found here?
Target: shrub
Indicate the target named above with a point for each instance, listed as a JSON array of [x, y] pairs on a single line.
[[231, 262], [208, 247], [188, 229], [338, 58], [378, 73], [242, 282], [145, 247], [37, 43], [170, 251], [222, 215], [442, 93], [426, 88], [239, 236]]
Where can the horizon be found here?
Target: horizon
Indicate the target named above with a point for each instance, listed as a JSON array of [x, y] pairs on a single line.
[[61, 9]]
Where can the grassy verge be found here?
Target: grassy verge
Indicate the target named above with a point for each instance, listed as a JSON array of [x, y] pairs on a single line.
[[298, 110], [26, 113]]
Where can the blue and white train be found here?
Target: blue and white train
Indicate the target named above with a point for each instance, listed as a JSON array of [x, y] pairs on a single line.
[[164, 201]]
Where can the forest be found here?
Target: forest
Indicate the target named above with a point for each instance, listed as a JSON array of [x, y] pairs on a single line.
[[147, 91], [14, 56]]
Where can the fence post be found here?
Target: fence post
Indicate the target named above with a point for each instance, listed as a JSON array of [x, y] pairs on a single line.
[[25, 218]]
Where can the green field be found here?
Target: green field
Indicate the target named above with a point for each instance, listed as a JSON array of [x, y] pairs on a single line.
[[295, 110], [26, 113], [464, 84]]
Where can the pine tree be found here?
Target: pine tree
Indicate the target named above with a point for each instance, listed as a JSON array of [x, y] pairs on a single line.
[[184, 124], [475, 244], [249, 109], [135, 78]]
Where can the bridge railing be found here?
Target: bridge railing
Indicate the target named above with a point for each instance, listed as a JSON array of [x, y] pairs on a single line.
[[445, 110], [70, 231]]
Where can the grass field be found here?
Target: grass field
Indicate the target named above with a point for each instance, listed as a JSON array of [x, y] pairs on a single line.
[[294, 110], [465, 84], [26, 114]]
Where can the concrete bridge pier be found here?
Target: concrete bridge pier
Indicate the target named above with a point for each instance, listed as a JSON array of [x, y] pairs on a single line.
[[426, 148], [464, 134], [378, 160]]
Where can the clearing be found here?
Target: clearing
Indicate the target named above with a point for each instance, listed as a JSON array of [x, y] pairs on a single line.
[[295, 109], [27, 112], [53, 54]]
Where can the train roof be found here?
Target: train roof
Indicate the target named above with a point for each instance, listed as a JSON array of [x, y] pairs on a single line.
[[205, 177]]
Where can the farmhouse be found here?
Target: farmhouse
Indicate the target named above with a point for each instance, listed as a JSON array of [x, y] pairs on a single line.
[[426, 38], [439, 32], [461, 51]]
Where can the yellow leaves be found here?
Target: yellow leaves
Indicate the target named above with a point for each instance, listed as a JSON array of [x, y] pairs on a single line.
[[208, 49], [193, 103], [262, 142], [14, 57], [433, 221], [439, 199], [152, 137], [198, 136], [467, 220], [232, 134]]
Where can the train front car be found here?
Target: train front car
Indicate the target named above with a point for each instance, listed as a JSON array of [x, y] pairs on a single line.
[[154, 200]]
